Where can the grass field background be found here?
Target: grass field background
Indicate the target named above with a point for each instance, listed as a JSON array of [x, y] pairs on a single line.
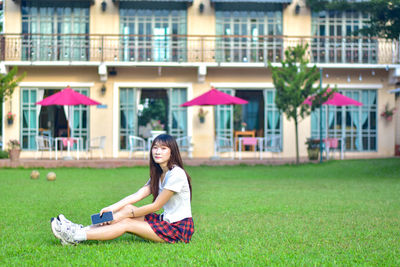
[[335, 213]]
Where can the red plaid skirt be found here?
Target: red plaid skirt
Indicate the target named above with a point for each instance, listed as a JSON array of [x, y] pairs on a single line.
[[171, 232]]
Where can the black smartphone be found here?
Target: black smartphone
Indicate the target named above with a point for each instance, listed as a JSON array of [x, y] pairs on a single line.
[[106, 217]]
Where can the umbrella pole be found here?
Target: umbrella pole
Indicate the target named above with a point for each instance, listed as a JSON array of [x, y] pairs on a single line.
[[327, 132], [68, 129], [68, 135], [320, 118], [215, 156]]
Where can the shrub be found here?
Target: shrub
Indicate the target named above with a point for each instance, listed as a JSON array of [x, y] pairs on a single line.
[[3, 154]]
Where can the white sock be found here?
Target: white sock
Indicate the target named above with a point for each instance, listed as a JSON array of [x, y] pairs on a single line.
[[90, 227], [80, 235], [87, 228]]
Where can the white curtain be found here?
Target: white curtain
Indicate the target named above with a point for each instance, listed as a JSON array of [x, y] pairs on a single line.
[[40, 94], [331, 116], [356, 121], [138, 95], [67, 111]]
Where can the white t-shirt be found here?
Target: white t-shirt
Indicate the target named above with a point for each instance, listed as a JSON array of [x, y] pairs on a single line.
[[178, 206]]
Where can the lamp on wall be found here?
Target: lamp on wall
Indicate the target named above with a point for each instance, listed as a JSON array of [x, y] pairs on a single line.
[[103, 89], [201, 8], [297, 9], [103, 5]]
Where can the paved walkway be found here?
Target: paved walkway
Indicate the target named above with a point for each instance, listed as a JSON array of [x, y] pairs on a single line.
[[115, 163]]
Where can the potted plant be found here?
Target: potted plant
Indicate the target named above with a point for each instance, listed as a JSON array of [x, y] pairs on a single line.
[[156, 128], [312, 148], [388, 113], [202, 115], [14, 149], [10, 118], [244, 125]]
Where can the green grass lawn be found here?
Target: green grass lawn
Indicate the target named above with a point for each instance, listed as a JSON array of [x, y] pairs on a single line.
[[335, 213]]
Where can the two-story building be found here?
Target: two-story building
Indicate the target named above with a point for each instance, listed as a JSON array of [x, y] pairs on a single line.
[[142, 59]]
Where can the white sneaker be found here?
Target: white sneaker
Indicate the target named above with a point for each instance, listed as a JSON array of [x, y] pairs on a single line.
[[56, 229], [67, 235], [64, 220]]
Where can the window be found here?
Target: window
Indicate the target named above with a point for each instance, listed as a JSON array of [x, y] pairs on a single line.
[[336, 38], [224, 118], [272, 117], [177, 119], [256, 36], [128, 115], [153, 35], [357, 125], [29, 120], [80, 119], [55, 30]]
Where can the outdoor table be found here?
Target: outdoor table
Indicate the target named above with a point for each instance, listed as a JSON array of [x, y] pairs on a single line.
[[69, 142], [239, 134], [251, 141]]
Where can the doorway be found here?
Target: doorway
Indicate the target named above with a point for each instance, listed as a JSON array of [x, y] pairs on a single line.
[[52, 119], [250, 116], [152, 111]]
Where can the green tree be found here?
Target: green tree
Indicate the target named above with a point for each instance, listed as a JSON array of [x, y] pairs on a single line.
[[8, 82], [384, 15], [385, 18], [294, 83]]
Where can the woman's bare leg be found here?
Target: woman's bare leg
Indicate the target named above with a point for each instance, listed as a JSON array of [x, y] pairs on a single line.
[[137, 226]]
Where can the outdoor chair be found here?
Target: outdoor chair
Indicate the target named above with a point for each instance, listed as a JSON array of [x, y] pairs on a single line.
[[137, 143], [334, 144], [43, 143], [224, 145], [96, 143], [272, 144], [185, 144]]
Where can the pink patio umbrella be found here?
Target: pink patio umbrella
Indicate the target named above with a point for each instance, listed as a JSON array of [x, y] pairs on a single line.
[[336, 99], [214, 97], [67, 97]]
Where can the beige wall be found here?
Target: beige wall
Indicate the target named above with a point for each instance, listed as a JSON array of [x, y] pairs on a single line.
[[203, 136], [297, 24], [12, 17], [106, 22], [201, 23], [101, 120]]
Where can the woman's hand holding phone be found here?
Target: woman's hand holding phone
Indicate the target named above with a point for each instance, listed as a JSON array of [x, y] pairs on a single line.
[[106, 209]]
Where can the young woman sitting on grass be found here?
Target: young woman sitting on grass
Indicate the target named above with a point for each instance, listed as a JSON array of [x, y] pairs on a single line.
[[171, 188]]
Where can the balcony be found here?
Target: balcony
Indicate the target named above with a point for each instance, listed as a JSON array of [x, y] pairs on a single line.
[[80, 48]]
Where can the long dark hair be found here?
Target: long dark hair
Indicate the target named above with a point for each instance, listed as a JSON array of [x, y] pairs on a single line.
[[175, 159]]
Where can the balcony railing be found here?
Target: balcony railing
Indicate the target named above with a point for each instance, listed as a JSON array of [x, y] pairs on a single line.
[[191, 48]]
